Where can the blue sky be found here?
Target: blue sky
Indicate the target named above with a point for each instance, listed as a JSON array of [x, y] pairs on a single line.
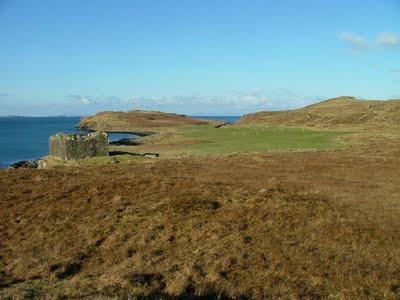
[[208, 57]]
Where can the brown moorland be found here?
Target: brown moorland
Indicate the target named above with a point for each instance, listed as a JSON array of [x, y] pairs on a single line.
[[138, 121], [322, 224], [337, 113]]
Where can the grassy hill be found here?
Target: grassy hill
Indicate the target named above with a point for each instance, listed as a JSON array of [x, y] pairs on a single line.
[[138, 121], [337, 113]]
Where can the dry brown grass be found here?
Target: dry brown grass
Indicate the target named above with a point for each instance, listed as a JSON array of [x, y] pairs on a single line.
[[139, 121], [290, 225], [337, 113]]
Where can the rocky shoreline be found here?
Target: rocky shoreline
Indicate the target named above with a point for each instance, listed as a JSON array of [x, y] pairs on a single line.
[[25, 164], [88, 129]]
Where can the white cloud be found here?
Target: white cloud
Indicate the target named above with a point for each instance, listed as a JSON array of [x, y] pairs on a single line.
[[85, 100], [357, 43], [387, 39], [82, 99], [249, 98]]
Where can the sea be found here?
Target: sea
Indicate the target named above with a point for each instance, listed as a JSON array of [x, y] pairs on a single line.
[[26, 138]]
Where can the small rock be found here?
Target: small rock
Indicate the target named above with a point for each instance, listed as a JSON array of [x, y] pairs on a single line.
[[114, 161], [151, 155]]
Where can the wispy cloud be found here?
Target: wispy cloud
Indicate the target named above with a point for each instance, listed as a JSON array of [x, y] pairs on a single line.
[[356, 42], [81, 99], [387, 39], [395, 70], [237, 101], [4, 94]]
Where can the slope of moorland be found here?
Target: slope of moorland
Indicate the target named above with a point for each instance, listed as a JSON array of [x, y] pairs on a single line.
[[336, 113], [138, 121], [310, 225]]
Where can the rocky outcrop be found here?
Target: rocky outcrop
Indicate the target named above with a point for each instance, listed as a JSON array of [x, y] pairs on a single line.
[[126, 142], [147, 154], [25, 164], [223, 124]]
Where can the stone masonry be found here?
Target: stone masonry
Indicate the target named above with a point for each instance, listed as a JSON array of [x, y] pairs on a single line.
[[77, 146]]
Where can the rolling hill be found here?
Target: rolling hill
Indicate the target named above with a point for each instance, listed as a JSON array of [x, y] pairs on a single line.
[[337, 113], [138, 121]]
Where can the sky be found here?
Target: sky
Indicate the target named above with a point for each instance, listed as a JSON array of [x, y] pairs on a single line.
[[209, 57]]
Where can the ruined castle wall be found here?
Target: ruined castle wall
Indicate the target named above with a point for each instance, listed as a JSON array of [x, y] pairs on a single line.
[[75, 146], [57, 147]]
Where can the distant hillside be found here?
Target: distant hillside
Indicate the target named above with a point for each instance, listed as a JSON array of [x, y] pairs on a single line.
[[138, 121], [342, 112]]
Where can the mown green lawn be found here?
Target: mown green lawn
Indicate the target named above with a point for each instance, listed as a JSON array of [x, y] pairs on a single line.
[[258, 139]]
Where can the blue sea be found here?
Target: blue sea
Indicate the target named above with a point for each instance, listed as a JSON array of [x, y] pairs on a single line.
[[230, 119], [25, 138]]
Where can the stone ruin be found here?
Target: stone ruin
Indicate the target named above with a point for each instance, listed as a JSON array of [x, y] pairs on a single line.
[[78, 146]]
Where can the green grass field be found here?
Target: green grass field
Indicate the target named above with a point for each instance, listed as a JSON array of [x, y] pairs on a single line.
[[258, 139]]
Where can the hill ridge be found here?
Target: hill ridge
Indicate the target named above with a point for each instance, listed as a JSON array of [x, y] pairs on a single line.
[[334, 113], [138, 121]]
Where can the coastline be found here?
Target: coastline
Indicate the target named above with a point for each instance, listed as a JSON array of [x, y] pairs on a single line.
[[33, 133]]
